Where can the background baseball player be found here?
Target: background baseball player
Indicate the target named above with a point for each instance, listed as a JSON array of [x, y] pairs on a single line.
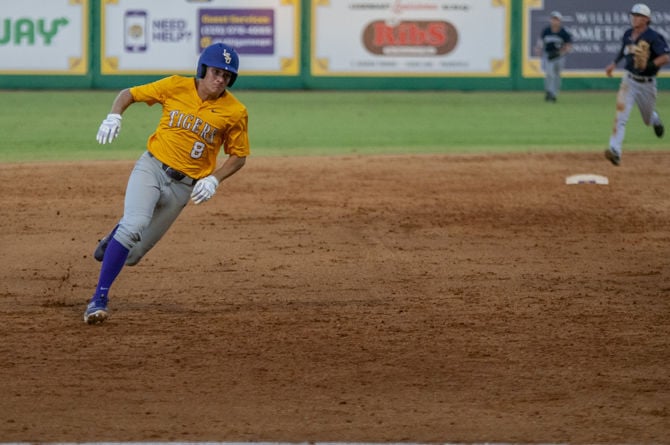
[[199, 117], [554, 43], [644, 51]]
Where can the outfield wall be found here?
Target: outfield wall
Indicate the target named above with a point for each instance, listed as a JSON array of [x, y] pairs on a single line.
[[311, 44]]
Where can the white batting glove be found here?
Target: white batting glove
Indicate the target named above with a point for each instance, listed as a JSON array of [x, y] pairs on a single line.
[[204, 189], [109, 129]]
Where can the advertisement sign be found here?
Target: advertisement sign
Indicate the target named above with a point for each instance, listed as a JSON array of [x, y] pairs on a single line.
[[38, 37], [410, 38], [150, 37], [596, 26]]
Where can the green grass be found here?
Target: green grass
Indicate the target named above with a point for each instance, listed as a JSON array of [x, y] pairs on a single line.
[[61, 125]]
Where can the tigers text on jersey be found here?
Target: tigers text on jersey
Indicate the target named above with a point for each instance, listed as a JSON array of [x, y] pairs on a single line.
[[191, 131]]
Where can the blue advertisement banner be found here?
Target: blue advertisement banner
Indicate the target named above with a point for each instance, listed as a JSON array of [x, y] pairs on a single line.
[[249, 31], [596, 27]]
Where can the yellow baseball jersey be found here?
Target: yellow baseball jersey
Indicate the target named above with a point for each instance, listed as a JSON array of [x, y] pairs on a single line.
[[191, 131]]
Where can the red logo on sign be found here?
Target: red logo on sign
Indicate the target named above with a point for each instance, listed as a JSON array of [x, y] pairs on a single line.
[[425, 37]]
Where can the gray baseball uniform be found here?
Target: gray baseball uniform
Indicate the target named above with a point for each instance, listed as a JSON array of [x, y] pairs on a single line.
[[638, 85], [555, 40]]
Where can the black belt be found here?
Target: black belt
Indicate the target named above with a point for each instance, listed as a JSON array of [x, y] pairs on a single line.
[[176, 174], [640, 79]]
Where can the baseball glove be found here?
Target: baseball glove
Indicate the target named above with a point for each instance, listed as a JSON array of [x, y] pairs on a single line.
[[641, 55], [553, 54]]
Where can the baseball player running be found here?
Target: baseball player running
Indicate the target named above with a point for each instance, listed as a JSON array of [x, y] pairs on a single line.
[[645, 52], [199, 116], [554, 43]]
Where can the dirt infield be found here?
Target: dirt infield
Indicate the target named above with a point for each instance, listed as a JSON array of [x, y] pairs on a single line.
[[382, 298]]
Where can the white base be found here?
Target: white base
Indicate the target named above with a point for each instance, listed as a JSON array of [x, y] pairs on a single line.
[[587, 179]]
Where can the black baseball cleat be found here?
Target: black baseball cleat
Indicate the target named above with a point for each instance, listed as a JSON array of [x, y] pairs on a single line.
[[612, 157], [659, 130]]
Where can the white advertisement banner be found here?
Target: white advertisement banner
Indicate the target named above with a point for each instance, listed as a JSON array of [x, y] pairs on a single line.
[[167, 36], [410, 38], [38, 37]]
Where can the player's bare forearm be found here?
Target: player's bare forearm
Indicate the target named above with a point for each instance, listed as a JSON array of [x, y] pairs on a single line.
[[229, 167], [662, 60], [122, 101]]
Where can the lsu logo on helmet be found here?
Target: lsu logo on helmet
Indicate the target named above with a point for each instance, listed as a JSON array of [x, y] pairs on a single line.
[[219, 55]]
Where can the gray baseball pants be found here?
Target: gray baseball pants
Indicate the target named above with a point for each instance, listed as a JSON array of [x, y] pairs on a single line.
[[152, 203], [631, 93]]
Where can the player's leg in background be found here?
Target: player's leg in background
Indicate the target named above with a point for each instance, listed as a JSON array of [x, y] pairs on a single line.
[[551, 79], [560, 64], [646, 102], [625, 101], [547, 77]]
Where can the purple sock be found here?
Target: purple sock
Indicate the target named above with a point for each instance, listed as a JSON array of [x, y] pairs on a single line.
[[112, 263]]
